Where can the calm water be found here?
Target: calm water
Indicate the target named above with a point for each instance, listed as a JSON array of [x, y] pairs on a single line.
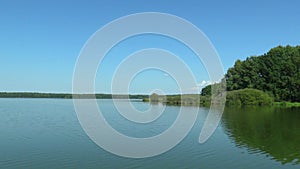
[[45, 133]]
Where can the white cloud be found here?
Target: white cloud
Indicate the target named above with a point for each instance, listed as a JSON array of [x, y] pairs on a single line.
[[193, 90], [204, 83], [199, 87]]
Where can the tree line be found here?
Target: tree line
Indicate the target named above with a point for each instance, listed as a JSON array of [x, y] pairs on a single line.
[[276, 73]]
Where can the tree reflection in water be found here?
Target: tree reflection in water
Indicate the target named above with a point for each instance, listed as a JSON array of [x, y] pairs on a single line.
[[265, 130]]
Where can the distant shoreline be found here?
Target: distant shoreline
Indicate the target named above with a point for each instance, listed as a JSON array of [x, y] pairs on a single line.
[[174, 99], [69, 95]]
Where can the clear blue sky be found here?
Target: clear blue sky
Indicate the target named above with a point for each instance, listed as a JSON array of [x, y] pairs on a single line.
[[40, 40]]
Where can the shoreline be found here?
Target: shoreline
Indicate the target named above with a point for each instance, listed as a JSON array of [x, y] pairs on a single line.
[[174, 100]]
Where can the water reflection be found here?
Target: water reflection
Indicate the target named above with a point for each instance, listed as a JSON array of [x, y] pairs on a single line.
[[271, 131]]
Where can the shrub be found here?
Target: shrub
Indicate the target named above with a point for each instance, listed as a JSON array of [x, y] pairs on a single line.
[[248, 97]]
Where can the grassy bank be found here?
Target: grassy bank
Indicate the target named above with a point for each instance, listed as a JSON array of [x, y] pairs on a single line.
[[287, 104], [243, 97]]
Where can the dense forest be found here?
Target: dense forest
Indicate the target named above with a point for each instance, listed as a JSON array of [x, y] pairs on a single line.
[[276, 73]]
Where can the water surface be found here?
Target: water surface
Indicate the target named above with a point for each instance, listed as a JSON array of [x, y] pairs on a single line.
[[45, 133]]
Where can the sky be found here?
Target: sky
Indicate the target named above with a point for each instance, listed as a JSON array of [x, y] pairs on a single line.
[[40, 41]]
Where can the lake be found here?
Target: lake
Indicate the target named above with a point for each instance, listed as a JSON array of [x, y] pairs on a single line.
[[45, 133]]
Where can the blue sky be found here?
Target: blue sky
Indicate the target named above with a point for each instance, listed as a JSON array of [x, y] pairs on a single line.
[[41, 40]]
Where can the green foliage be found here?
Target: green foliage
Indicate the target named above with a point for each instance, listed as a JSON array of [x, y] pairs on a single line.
[[205, 101], [248, 97], [186, 99], [173, 99], [277, 73], [287, 104], [34, 95], [216, 89], [206, 91]]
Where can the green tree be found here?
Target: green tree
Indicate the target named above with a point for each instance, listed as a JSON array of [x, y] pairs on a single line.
[[276, 72]]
